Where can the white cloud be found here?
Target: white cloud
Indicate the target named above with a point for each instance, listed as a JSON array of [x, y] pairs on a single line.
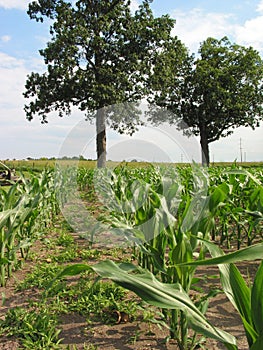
[[197, 25], [260, 7], [15, 4], [12, 81], [5, 38], [250, 34], [21, 138], [13, 72], [9, 63]]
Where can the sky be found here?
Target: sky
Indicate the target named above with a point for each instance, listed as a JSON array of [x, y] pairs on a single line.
[[22, 38]]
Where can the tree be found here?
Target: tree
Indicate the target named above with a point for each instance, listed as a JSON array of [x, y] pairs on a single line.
[[100, 54], [217, 93]]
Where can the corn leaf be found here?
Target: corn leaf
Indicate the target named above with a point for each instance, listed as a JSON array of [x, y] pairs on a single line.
[[242, 298], [170, 296], [241, 293], [258, 345], [250, 253], [146, 286], [235, 288], [74, 270], [218, 196], [4, 216], [218, 257], [257, 300], [245, 172]]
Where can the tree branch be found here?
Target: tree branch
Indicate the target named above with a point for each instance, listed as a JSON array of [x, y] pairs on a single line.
[[219, 133]]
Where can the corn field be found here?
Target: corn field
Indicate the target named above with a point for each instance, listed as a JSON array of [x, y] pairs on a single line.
[[174, 219], [178, 219]]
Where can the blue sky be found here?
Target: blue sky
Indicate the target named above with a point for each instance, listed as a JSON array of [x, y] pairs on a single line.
[[21, 38]]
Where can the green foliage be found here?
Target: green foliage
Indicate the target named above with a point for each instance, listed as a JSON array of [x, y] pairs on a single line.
[[114, 46], [34, 330], [239, 217], [100, 54], [27, 209], [247, 301], [144, 284], [169, 214], [219, 91], [40, 277], [99, 300]]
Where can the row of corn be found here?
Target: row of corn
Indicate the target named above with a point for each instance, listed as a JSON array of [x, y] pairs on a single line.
[[27, 208]]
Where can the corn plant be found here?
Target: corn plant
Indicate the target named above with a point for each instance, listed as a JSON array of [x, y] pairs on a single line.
[[243, 194], [27, 209], [10, 222], [169, 215], [173, 296], [157, 212], [246, 299], [85, 179], [164, 212], [141, 206]]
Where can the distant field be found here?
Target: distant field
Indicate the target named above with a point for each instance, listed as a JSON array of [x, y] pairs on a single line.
[[39, 165], [44, 164]]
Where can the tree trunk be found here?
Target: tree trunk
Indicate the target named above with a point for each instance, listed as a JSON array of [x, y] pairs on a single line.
[[204, 145], [101, 138], [9, 175]]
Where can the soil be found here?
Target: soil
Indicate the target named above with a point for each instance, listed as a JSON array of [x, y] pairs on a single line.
[[77, 333]]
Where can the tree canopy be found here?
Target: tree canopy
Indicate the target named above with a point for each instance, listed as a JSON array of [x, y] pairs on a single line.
[[218, 92], [100, 54]]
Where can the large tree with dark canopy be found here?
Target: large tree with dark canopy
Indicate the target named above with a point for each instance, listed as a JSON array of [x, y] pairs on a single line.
[[100, 54], [220, 91]]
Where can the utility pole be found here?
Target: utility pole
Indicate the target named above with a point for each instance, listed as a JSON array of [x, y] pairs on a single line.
[[240, 147]]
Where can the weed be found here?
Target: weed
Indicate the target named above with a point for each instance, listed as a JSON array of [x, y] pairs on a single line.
[[34, 330], [40, 277], [65, 239]]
